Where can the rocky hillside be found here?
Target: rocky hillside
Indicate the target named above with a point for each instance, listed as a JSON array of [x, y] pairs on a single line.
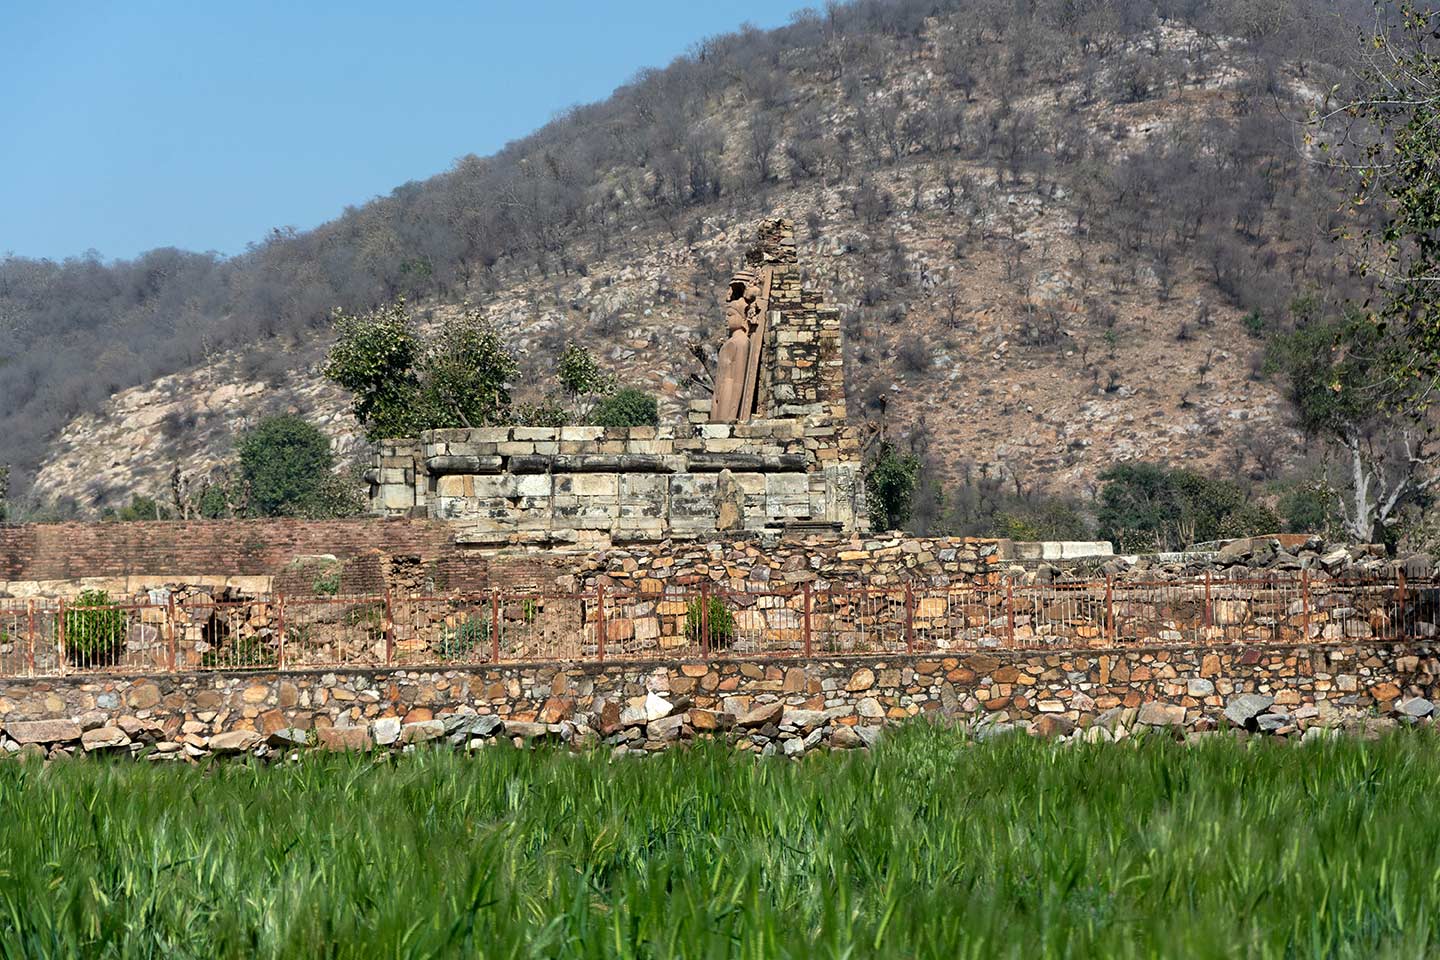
[[1044, 268]]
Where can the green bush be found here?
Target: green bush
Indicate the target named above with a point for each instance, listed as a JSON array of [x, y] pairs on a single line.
[[721, 622], [890, 485], [464, 641], [286, 464], [1255, 324], [547, 413], [1308, 508], [241, 652], [628, 407], [1145, 506], [95, 629], [1250, 520]]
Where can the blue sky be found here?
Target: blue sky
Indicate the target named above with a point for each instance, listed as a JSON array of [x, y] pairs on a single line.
[[131, 125]]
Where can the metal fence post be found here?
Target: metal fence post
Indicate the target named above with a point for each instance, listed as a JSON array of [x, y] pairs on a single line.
[[172, 628], [864, 605], [30, 631], [704, 620], [495, 625], [389, 629], [280, 629], [909, 618], [1009, 612], [805, 590], [1305, 606], [600, 622], [1209, 609], [1110, 608], [60, 637], [1400, 602]]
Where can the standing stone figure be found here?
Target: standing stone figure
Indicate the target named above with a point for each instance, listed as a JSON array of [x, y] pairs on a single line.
[[742, 312]]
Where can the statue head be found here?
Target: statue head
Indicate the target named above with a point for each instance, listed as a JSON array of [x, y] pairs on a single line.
[[742, 286]]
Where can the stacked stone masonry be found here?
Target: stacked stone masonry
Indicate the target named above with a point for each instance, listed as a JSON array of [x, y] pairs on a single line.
[[592, 486], [769, 708]]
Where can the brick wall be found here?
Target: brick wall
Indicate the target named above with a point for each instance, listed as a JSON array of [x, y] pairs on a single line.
[[237, 547]]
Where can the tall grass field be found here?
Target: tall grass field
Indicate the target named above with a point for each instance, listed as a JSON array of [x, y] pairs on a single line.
[[931, 846]]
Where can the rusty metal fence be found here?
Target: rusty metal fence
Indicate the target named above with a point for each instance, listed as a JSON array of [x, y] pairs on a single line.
[[43, 638]]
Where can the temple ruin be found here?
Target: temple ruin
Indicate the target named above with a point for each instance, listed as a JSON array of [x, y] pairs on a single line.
[[771, 453]]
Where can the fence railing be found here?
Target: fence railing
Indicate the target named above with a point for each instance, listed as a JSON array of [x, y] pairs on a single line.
[[40, 638]]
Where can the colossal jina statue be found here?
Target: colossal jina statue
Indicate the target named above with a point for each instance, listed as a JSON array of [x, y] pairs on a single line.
[[738, 371]]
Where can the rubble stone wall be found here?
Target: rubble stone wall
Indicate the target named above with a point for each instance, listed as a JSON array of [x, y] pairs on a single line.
[[785, 706]]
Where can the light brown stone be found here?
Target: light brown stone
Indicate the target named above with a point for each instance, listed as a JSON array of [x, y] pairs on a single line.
[[862, 679], [142, 696], [344, 738]]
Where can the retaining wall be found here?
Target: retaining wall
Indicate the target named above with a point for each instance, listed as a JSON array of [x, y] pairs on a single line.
[[785, 706]]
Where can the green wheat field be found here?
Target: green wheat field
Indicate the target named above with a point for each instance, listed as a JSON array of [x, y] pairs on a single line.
[[932, 846]]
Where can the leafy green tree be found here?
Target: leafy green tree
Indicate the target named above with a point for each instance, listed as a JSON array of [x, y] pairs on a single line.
[[890, 487], [1333, 370], [374, 358], [4, 492], [1386, 131], [1308, 507], [547, 413], [583, 379], [403, 385], [285, 462], [627, 407], [465, 374]]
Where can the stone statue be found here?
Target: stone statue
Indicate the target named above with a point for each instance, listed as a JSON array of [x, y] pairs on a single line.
[[744, 308]]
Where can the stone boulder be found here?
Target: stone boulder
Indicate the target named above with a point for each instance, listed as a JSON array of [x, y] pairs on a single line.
[[759, 716], [43, 731], [345, 738], [1156, 714], [422, 731], [1242, 708], [386, 731], [104, 738], [235, 741], [1417, 707]]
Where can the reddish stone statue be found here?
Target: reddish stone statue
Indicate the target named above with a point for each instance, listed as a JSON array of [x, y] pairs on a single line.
[[744, 310]]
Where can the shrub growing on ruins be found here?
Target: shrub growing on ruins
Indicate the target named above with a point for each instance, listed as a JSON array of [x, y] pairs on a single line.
[[710, 618], [286, 464], [402, 384], [465, 374], [95, 629], [546, 413], [374, 358], [890, 486], [582, 378], [466, 641], [627, 407]]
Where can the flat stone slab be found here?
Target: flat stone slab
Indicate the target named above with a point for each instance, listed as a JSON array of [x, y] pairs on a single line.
[[43, 731], [235, 741], [1244, 707]]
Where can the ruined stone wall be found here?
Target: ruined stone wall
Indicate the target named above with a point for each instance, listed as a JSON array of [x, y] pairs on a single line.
[[796, 464], [804, 361], [770, 707], [596, 486]]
